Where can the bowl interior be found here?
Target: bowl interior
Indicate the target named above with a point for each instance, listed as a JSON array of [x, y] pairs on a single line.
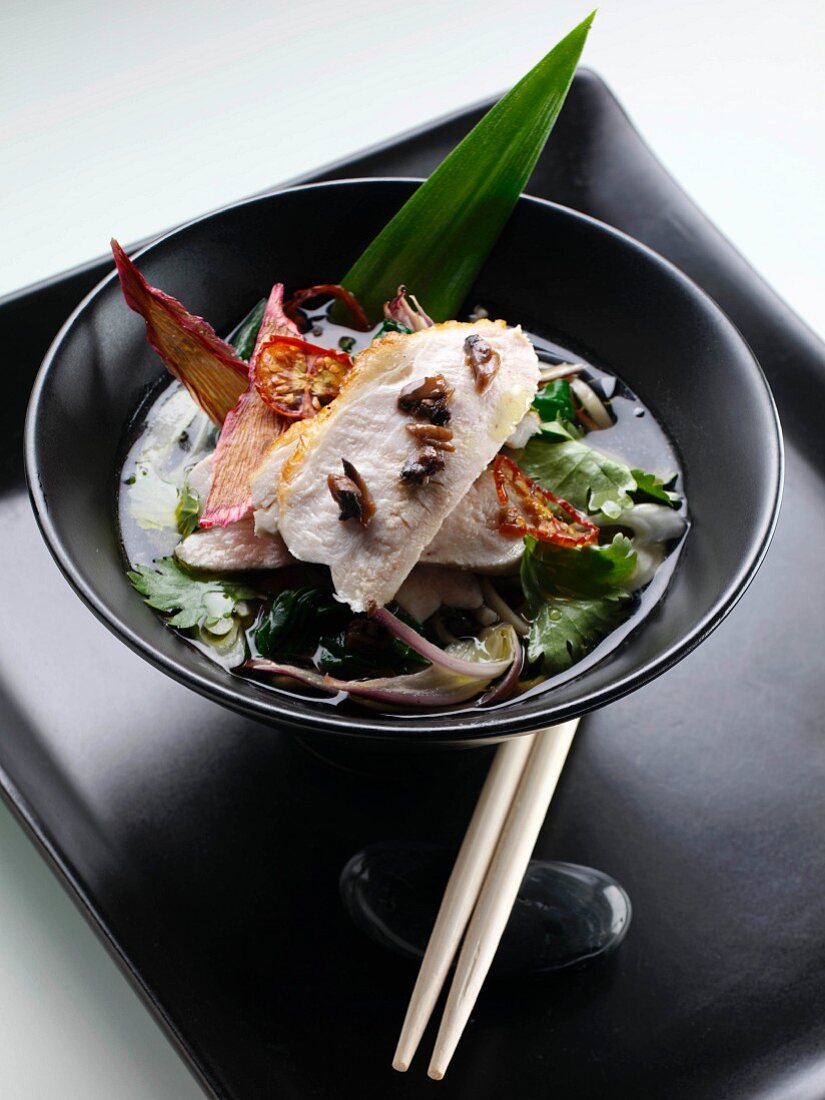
[[560, 274]]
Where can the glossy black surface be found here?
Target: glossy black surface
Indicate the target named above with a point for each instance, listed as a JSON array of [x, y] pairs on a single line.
[[564, 916], [609, 300], [207, 848]]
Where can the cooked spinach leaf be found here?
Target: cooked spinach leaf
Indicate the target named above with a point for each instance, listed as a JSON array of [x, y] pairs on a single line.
[[296, 620], [310, 623], [361, 651]]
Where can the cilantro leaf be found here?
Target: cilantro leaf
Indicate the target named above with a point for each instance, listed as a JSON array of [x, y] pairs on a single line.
[[657, 489], [574, 597], [548, 570], [565, 629], [168, 587], [560, 430], [187, 511], [554, 401], [586, 478]]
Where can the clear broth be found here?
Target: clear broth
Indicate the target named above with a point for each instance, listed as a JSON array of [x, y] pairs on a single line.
[[636, 438]]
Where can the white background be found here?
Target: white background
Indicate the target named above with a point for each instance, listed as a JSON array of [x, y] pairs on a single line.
[[125, 118]]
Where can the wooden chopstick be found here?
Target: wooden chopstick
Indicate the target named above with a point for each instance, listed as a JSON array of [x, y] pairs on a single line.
[[501, 885], [462, 890]]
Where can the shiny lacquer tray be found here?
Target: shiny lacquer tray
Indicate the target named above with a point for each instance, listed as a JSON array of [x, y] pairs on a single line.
[[206, 849]]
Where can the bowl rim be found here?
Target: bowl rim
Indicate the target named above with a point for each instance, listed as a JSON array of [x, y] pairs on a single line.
[[471, 725]]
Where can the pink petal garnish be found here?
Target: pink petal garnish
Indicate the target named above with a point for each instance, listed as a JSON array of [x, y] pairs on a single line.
[[189, 347], [250, 428]]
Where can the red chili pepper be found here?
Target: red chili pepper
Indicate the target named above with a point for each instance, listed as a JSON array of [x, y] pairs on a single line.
[[537, 511], [328, 290], [297, 379]]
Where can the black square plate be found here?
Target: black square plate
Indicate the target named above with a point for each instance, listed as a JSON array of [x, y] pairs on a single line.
[[206, 849]]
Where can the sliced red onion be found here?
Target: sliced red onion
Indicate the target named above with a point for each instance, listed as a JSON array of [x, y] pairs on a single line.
[[304, 675], [507, 682], [399, 309], [428, 688], [477, 669]]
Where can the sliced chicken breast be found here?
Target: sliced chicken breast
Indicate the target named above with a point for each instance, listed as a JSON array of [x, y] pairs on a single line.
[[234, 548], [267, 478], [490, 375], [469, 537], [199, 478]]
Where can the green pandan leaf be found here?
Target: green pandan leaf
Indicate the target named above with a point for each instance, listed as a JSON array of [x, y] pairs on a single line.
[[439, 239]]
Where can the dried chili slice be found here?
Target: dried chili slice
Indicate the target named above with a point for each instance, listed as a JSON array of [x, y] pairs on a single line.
[[327, 290], [297, 379], [527, 509]]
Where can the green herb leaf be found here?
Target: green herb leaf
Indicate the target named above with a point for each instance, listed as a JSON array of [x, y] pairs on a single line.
[[555, 401], [548, 570], [310, 623], [188, 510], [351, 658], [558, 431], [439, 239], [565, 630], [390, 325], [168, 587], [653, 488], [296, 620], [590, 481], [244, 339]]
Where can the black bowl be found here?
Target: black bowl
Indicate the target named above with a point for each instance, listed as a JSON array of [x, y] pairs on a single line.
[[560, 273]]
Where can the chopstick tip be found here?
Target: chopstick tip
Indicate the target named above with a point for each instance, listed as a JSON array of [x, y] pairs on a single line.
[[400, 1065], [435, 1074]]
